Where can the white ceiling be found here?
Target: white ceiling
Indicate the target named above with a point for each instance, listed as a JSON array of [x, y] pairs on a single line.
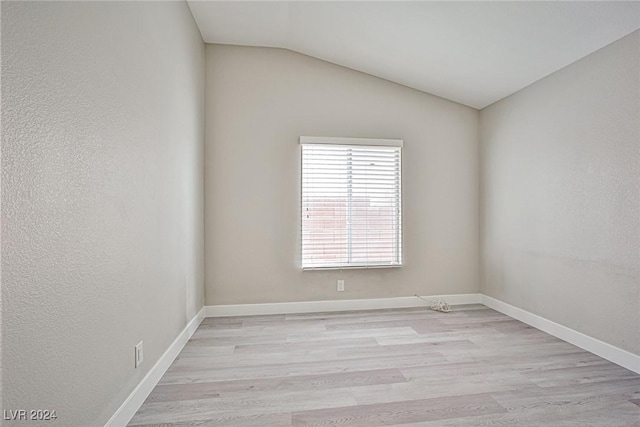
[[474, 53]]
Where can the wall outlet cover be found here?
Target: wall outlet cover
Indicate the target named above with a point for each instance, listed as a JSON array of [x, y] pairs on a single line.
[[139, 354]]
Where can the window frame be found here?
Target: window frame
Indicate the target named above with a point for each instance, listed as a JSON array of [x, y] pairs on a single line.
[[355, 142]]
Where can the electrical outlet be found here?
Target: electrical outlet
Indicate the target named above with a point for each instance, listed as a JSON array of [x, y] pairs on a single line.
[[340, 286], [139, 354]]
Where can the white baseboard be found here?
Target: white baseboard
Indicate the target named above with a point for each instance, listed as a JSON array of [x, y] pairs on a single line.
[[334, 305], [600, 348], [130, 406]]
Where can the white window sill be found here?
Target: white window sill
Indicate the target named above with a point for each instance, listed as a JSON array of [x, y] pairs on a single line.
[[352, 267]]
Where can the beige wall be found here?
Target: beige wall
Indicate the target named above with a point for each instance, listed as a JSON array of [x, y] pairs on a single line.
[[561, 196], [258, 102], [102, 198]]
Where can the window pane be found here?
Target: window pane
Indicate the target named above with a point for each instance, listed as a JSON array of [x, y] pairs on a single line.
[[350, 205]]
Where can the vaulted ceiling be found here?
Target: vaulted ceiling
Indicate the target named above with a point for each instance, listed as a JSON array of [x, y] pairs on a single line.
[[474, 53]]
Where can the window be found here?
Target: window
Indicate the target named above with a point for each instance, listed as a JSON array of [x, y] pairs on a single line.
[[351, 202]]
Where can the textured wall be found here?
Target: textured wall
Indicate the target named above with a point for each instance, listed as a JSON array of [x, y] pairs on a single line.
[[259, 101], [102, 198], [561, 196]]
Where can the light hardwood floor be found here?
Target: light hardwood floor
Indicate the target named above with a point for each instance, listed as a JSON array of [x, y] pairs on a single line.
[[471, 367]]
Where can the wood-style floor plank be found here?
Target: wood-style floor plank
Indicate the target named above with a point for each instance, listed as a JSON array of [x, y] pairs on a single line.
[[245, 403], [391, 413], [192, 391], [262, 420], [204, 373], [411, 367]]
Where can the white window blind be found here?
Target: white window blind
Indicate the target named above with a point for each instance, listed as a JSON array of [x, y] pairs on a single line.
[[351, 202]]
